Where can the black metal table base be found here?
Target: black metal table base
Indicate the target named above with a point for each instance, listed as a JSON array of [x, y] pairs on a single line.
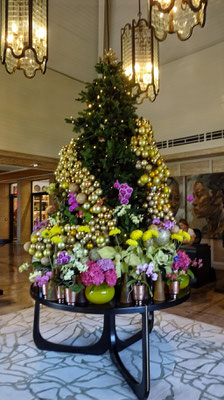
[[108, 341]]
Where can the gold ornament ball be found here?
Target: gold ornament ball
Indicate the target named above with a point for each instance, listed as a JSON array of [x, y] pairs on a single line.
[[73, 187], [38, 254], [145, 154], [27, 246], [141, 130], [140, 183], [167, 173], [64, 185], [81, 198], [96, 209], [31, 251], [144, 179], [100, 239], [156, 181], [89, 246], [61, 246], [99, 192], [67, 228], [47, 253], [34, 239]]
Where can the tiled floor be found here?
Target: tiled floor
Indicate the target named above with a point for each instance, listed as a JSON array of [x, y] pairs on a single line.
[[205, 304]]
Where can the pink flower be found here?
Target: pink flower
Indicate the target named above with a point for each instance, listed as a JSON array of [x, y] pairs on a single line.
[[117, 185], [111, 277], [190, 199], [93, 276], [182, 262], [42, 280], [124, 201]]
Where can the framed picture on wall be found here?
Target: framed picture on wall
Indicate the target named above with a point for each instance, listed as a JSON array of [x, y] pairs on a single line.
[[206, 211], [177, 196]]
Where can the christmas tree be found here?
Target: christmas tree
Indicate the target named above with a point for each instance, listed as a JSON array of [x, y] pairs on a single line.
[[113, 146], [112, 213]]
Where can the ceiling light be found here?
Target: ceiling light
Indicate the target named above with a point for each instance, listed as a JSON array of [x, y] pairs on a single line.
[[24, 39], [177, 16], [140, 56]]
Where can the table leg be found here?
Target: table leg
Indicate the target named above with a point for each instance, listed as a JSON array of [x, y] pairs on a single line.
[[97, 348], [141, 389]]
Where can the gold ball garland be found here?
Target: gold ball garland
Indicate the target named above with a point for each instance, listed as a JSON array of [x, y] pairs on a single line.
[[154, 179], [73, 177]]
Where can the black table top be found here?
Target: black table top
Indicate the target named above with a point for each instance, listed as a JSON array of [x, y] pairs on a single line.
[[114, 306]]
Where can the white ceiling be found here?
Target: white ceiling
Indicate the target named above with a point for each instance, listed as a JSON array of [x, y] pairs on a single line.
[[73, 37], [73, 34], [74, 26]]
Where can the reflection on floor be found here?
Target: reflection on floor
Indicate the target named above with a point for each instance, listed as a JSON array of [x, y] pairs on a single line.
[[205, 304]]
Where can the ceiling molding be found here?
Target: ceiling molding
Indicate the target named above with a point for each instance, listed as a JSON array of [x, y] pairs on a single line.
[[190, 155], [27, 160]]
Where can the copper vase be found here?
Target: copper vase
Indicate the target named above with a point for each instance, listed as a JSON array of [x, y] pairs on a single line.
[[126, 292], [159, 289], [139, 294], [70, 297], [174, 289], [61, 294], [44, 290]]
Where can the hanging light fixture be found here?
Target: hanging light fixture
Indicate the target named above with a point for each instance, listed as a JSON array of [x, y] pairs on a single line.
[[140, 56], [177, 16], [24, 40]]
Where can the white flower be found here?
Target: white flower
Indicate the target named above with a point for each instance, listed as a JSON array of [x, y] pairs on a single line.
[[33, 275], [82, 267], [68, 275], [23, 267]]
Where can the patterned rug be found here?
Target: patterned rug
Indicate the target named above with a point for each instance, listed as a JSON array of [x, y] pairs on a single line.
[[187, 359]]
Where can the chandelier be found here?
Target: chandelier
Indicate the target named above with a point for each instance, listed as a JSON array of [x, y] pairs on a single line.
[[140, 57], [177, 16], [24, 40]]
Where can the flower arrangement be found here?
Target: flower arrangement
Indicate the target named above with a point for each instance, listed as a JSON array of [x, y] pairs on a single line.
[[181, 267], [60, 255], [98, 272]]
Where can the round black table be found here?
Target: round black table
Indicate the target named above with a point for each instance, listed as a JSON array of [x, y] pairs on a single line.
[[109, 339]]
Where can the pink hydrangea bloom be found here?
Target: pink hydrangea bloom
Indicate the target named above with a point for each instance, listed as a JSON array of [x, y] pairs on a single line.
[[111, 277], [93, 276], [182, 262]]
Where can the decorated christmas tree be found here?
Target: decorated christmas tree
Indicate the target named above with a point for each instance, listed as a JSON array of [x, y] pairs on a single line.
[[112, 213], [114, 148]]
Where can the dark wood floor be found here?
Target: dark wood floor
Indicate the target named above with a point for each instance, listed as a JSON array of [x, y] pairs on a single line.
[[205, 304]]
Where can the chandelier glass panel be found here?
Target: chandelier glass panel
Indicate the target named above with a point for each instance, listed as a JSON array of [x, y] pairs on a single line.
[[177, 16], [24, 40], [140, 57]]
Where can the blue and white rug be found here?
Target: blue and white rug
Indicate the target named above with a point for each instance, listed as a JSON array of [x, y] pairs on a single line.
[[187, 359]]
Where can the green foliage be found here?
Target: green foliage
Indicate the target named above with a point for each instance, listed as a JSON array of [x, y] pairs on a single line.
[[105, 127]]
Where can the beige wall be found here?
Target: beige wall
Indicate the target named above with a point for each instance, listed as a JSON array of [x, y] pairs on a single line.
[[4, 211], [32, 112], [191, 99]]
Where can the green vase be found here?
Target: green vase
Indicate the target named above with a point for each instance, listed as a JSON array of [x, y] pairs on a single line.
[[99, 294], [184, 281]]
